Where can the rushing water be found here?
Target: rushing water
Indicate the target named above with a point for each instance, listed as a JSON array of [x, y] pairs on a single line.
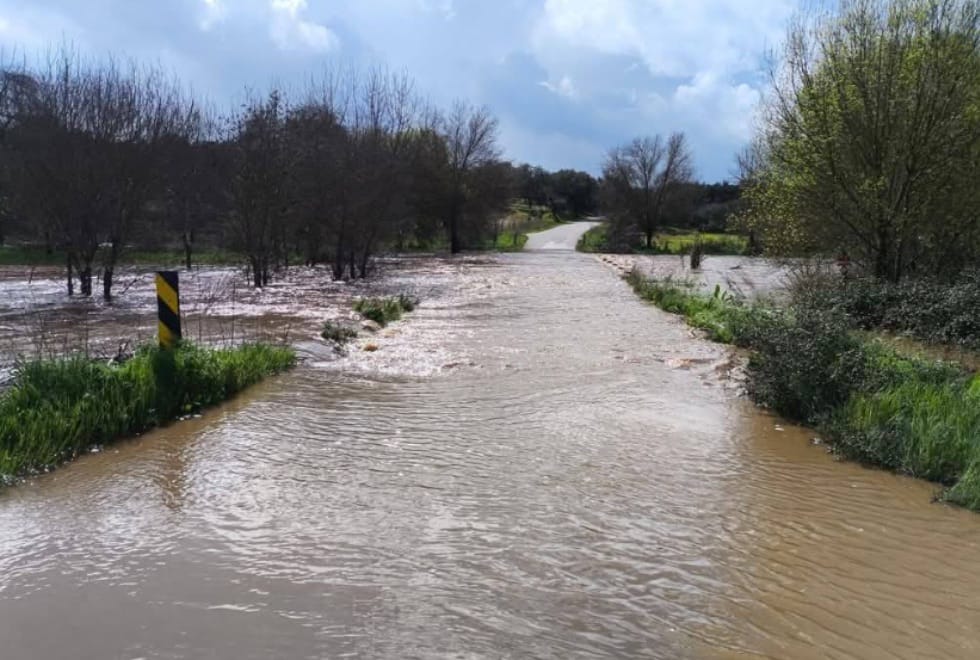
[[534, 464]]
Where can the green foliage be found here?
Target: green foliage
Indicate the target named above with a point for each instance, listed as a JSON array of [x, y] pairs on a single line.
[[921, 428], [708, 243], [58, 408], [871, 139], [601, 239], [338, 333], [719, 315], [931, 310], [595, 239], [508, 242], [385, 310]]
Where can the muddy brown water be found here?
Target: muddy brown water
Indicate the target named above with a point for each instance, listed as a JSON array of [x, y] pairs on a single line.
[[534, 464]]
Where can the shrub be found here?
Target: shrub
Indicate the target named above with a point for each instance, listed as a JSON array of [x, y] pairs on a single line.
[[385, 310], [338, 333], [697, 252], [930, 310]]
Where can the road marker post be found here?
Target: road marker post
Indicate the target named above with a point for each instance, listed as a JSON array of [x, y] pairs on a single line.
[[168, 308]]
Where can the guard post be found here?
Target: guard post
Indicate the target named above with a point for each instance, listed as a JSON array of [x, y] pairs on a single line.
[[168, 308]]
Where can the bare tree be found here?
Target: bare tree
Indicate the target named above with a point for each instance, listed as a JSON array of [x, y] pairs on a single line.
[[471, 143], [640, 177], [259, 190]]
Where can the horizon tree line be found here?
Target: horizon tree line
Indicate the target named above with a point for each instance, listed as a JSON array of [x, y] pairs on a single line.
[[96, 155]]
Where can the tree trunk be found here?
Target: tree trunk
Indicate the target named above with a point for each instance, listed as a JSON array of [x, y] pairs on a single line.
[[107, 272], [71, 281], [454, 243], [256, 272], [107, 283], [85, 279], [188, 240]]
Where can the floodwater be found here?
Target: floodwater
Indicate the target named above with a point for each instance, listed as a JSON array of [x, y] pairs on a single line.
[[533, 464], [746, 277]]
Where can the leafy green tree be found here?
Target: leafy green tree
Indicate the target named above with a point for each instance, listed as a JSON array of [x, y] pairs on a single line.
[[870, 142]]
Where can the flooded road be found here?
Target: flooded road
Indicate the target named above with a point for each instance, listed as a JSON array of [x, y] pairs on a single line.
[[533, 464]]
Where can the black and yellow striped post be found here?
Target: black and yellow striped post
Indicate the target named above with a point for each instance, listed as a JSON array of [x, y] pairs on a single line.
[[168, 308]]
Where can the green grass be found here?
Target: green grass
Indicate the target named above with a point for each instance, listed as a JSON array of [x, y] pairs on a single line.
[[716, 314], [718, 244], [669, 241], [385, 310], [874, 404], [59, 408], [522, 223], [507, 242], [28, 255], [594, 240]]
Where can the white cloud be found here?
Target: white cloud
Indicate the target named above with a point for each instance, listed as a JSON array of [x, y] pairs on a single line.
[[727, 110], [689, 65], [213, 12], [676, 38], [564, 87], [290, 31]]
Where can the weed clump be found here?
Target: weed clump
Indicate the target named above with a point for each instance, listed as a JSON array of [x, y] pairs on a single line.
[[59, 408], [338, 333], [385, 310]]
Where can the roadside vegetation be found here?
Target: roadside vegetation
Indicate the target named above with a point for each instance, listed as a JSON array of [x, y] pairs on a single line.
[[672, 241], [864, 169], [57, 409], [872, 403]]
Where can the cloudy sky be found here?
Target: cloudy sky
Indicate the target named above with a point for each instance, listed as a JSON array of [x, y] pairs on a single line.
[[567, 78]]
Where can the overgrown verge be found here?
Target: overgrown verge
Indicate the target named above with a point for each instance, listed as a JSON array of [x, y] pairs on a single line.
[[874, 405], [600, 239], [59, 408], [385, 310], [926, 309]]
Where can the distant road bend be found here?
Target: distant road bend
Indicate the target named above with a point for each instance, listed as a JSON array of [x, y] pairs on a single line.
[[562, 237]]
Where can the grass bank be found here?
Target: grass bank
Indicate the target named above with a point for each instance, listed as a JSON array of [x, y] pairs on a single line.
[[670, 241], [59, 408], [873, 404]]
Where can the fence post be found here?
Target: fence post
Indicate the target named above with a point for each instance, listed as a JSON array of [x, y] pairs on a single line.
[[168, 308]]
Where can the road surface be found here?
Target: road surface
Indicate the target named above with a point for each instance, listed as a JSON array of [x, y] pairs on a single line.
[[562, 237]]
